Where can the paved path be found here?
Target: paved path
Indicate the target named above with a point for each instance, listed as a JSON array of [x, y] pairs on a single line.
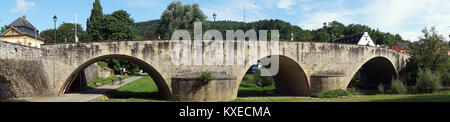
[[86, 96]]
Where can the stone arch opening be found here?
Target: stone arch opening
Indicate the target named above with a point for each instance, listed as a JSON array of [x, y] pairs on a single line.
[[163, 89], [375, 71], [291, 80]]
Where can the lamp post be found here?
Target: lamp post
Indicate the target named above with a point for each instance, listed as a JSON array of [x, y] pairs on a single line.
[[54, 20], [214, 16]]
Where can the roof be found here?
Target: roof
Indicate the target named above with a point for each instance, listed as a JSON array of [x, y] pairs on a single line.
[[402, 46], [24, 26], [350, 40], [22, 22], [21, 33]]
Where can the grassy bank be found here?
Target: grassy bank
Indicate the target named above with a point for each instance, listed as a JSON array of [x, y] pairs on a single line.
[[145, 90], [141, 90], [435, 97]]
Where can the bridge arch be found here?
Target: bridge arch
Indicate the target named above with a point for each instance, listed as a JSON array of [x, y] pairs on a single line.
[[291, 79], [375, 70], [163, 88]]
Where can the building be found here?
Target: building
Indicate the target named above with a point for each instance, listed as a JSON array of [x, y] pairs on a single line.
[[22, 32], [361, 39], [400, 47]]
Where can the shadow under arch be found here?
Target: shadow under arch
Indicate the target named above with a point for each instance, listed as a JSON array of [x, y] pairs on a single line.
[[374, 71], [291, 80], [161, 84]]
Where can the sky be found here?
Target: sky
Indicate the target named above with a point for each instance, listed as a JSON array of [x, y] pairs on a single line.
[[404, 17]]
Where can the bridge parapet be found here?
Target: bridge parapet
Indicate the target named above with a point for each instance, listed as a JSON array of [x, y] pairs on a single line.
[[19, 52]]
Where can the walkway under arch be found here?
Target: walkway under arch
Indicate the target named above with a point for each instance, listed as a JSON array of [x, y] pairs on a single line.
[[163, 88]]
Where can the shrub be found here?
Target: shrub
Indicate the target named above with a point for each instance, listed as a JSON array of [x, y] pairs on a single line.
[[263, 81], [103, 65], [381, 88], [206, 77], [427, 81], [398, 87], [333, 94]]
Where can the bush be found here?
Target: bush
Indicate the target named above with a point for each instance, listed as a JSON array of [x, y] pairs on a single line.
[[206, 77], [333, 94], [263, 81], [103, 65], [381, 88], [427, 81], [398, 87]]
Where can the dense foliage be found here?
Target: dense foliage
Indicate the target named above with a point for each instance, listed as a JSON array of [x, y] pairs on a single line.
[[118, 26], [178, 16], [398, 87], [65, 33], [334, 30], [427, 81], [94, 22], [430, 52]]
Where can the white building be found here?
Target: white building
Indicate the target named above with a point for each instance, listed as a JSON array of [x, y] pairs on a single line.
[[361, 39]]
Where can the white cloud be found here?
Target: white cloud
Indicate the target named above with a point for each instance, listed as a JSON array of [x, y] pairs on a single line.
[[22, 6], [286, 4]]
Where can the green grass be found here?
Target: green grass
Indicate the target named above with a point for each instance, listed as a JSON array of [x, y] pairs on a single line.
[[250, 89], [141, 90], [145, 90], [436, 97]]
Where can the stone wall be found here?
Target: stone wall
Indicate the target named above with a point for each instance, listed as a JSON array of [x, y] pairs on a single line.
[[91, 73], [21, 72], [103, 73]]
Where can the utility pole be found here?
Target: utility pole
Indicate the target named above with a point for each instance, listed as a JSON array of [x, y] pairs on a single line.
[[76, 22], [244, 13]]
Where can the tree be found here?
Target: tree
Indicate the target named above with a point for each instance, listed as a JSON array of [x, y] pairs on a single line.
[[94, 22], [3, 29], [118, 64], [48, 35], [65, 33], [118, 26], [430, 52], [177, 16]]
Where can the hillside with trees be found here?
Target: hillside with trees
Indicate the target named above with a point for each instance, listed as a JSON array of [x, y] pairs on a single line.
[[331, 31]]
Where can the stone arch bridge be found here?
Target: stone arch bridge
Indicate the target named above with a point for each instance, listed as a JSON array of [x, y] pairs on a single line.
[[305, 67]]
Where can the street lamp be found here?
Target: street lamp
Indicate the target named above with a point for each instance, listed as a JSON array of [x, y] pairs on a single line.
[[54, 20], [215, 16]]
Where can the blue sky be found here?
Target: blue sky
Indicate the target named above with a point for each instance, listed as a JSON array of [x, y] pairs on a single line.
[[405, 17]]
